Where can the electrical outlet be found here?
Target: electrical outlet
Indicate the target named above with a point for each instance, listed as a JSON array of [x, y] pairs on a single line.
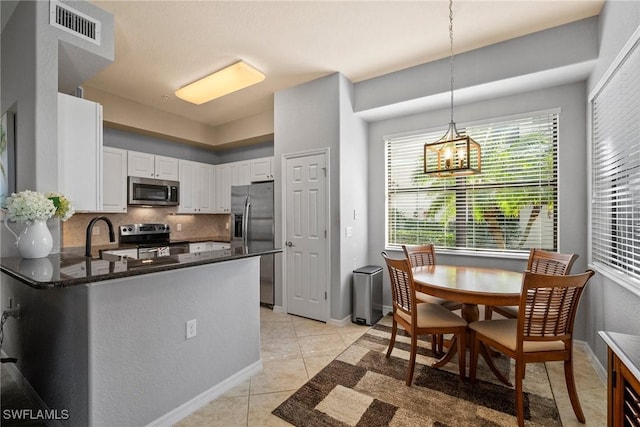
[[191, 328], [96, 230], [179, 227]]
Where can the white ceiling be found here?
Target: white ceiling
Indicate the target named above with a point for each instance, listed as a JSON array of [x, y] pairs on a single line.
[[163, 45]]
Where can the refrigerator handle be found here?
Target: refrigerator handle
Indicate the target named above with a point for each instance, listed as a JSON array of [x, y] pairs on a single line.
[[245, 219]]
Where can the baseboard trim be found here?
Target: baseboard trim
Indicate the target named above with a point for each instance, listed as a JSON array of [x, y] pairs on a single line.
[[597, 366], [340, 322], [187, 408]]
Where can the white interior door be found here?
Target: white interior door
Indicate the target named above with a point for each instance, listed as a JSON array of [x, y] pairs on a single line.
[[306, 236]]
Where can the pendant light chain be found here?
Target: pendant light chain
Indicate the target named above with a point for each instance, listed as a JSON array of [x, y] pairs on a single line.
[[451, 51]]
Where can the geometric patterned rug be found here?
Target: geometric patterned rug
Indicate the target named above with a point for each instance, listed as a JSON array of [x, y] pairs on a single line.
[[363, 388]]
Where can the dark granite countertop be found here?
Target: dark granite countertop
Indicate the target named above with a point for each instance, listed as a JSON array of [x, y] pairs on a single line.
[[71, 268]]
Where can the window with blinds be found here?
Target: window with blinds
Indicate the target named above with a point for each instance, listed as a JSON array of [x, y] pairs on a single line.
[[615, 210], [510, 206]]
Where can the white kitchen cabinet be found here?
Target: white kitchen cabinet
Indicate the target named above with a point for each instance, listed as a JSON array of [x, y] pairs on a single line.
[[128, 253], [262, 169], [222, 188], [80, 152], [114, 180], [208, 246], [240, 173], [226, 176], [146, 165], [206, 188], [197, 190]]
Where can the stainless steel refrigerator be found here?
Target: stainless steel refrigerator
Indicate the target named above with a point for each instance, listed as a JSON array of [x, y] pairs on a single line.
[[253, 226]]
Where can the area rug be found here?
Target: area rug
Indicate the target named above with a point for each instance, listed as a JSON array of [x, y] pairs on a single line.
[[363, 388]]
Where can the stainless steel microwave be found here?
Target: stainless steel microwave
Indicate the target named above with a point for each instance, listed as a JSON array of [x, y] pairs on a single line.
[[153, 192]]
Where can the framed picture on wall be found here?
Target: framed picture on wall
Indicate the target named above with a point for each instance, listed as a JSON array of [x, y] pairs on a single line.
[[7, 157]]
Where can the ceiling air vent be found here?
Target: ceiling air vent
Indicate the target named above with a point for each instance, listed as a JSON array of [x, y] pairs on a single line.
[[68, 19]]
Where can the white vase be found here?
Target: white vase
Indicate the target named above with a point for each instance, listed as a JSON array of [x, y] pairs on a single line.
[[35, 241]]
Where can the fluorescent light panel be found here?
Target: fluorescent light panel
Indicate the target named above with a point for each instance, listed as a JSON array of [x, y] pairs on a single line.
[[221, 83]]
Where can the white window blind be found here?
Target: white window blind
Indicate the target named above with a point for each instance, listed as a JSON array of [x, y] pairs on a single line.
[[510, 206], [615, 211]]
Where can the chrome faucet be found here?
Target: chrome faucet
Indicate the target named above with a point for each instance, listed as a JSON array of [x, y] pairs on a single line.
[[112, 236]]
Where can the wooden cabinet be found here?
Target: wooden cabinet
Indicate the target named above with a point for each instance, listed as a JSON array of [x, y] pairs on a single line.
[[80, 152], [114, 180], [147, 165], [197, 188], [262, 169], [623, 384]]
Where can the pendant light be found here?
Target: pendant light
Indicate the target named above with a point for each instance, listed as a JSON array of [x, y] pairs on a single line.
[[454, 153]]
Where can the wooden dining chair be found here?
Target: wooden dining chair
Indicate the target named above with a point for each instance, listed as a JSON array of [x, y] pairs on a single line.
[[418, 256], [420, 318], [541, 262], [542, 333]]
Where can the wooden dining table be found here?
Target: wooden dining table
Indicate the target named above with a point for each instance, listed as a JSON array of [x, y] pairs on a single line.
[[470, 286]]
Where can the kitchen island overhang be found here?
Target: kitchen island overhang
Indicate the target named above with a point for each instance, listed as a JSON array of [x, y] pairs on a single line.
[[114, 350]]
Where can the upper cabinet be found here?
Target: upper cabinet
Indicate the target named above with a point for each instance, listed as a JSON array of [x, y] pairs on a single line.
[[114, 179], [226, 176], [196, 187], [262, 169], [147, 165], [240, 173], [80, 152]]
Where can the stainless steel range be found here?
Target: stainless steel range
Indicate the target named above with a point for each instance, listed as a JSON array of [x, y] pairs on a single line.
[[152, 240]]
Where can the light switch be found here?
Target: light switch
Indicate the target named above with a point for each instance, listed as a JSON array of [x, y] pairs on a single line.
[[349, 231]]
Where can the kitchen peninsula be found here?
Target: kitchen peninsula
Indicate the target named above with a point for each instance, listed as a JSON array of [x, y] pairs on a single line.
[[105, 339]]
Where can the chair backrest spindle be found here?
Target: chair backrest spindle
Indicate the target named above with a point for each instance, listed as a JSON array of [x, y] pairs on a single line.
[[420, 255], [549, 305]]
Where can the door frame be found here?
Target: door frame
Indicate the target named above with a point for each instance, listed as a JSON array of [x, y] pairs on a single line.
[[283, 209]]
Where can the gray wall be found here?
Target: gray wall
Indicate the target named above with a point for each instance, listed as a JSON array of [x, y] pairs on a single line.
[[610, 306], [353, 198], [164, 147], [306, 117], [38, 61], [149, 144], [570, 99]]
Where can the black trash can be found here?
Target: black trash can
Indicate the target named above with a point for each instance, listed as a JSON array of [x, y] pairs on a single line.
[[366, 295]]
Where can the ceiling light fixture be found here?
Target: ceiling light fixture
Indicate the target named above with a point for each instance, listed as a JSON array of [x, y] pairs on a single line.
[[453, 154], [223, 82]]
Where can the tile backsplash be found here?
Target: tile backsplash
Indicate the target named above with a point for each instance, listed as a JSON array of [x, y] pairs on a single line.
[[193, 226]]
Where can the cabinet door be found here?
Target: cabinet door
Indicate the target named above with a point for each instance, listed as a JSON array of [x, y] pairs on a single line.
[[244, 173], [166, 168], [188, 187], [114, 180], [223, 188], [261, 169], [80, 152], [206, 193], [141, 164]]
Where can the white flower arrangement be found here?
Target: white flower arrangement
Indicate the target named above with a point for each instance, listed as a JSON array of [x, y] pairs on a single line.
[[30, 206], [64, 208]]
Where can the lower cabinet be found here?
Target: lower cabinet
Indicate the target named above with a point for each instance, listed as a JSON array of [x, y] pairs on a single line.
[[623, 384], [208, 246]]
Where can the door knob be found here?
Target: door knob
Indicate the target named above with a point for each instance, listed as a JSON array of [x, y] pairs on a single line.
[[290, 244]]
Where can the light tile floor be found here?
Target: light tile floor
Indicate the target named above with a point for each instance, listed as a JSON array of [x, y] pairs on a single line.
[[294, 349]]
